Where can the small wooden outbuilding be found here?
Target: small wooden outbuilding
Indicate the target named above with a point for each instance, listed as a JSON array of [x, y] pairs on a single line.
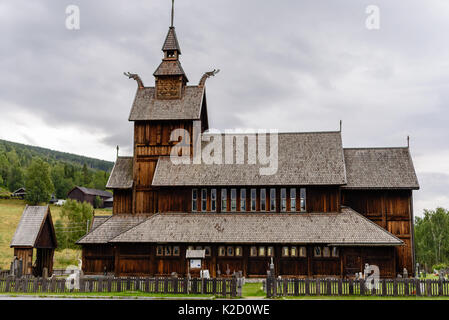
[[35, 231], [82, 194]]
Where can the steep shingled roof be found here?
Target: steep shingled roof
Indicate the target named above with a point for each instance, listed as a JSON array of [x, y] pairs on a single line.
[[111, 228], [314, 158], [122, 174], [31, 222], [171, 41], [170, 68], [147, 107], [380, 168], [98, 220], [345, 228]]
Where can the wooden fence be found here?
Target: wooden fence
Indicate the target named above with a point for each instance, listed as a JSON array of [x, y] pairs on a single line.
[[216, 286], [347, 287]]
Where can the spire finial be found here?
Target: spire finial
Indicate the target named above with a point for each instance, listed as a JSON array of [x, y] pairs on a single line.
[[408, 141], [172, 12], [117, 150]]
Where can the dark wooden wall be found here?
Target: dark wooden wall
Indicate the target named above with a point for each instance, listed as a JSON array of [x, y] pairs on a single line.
[[318, 199], [123, 201], [392, 210], [141, 259]]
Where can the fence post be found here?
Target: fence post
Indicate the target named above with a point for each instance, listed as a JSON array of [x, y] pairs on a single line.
[[307, 287], [362, 287], [351, 287], [440, 287], [329, 287], [318, 287], [233, 286], [340, 287], [418, 287], [395, 287], [296, 287]]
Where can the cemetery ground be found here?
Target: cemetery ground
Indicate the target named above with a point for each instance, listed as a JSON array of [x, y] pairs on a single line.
[[10, 213]]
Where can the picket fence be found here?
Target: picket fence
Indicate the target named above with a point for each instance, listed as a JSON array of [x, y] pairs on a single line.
[[216, 286], [346, 287]]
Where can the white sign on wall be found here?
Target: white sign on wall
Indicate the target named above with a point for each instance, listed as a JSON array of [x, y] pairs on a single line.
[[195, 263]]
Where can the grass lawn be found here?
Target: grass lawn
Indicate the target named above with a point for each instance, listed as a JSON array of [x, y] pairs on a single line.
[[125, 294], [253, 290], [10, 213]]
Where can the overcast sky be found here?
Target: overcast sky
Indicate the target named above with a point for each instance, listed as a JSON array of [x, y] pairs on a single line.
[[291, 65]]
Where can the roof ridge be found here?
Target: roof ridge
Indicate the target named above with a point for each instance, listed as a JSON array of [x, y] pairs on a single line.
[[373, 148]]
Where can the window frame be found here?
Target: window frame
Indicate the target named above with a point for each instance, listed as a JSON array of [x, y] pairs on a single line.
[[253, 251], [221, 251], [302, 200], [272, 199], [253, 196], [337, 254], [213, 200], [207, 251], [293, 251], [230, 251], [270, 251], [293, 199], [315, 254], [261, 252], [174, 249], [203, 200], [302, 249], [167, 251], [233, 199], [263, 200], [326, 252], [243, 200], [283, 196], [195, 200], [161, 252], [285, 252], [238, 251], [224, 200]]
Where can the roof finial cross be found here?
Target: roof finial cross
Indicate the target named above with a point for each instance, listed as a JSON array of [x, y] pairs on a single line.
[[172, 12]]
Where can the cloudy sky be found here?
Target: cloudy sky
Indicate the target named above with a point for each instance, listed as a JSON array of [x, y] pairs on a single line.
[[291, 65]]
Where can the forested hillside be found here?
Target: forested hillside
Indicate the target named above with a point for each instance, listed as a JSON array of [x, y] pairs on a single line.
[[66, 170]]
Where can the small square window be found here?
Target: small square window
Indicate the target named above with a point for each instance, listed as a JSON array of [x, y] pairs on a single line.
[[302, 252], [159, 250], [285, 252], [326, 252], [317, 251], [207, 251], [167, 250], [230, 251], [335, 252], [221, 251], [293, 252], [261, 251], [176, 250], [270, 251], [238, 251], [253, 251]]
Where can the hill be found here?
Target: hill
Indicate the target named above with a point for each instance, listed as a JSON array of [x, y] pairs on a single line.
[[49, 154], [67, 170]]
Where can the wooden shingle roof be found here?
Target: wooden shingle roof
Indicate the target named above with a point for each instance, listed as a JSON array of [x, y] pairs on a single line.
[[122, 174], [380, 168], [110, 228], [314, 158], [170, 68], [345, 228], [30, 226], [147, 107], [171, 41]]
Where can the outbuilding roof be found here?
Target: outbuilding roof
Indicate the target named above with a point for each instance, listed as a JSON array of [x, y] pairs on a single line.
[[93, 192], [147, 107], [314, 158], [380, 168], [345, 228], [30, 225]]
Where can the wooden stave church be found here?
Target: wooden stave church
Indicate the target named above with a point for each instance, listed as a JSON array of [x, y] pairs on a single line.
[[355, 205]]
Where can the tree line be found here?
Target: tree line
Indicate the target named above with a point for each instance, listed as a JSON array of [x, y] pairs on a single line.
[[432, 239], [50, 171]]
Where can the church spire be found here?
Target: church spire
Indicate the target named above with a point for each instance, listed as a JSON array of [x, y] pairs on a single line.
[[170, 76]]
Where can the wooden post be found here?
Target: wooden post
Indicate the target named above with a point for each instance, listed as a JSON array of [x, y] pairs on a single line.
[[384, 287], [418, 287], [340, 287], [307, 285], [395, 288], [429, 287], [406, 290], [351, 287], [362, 287], [440, 287], [318, 289], [296, 287]]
